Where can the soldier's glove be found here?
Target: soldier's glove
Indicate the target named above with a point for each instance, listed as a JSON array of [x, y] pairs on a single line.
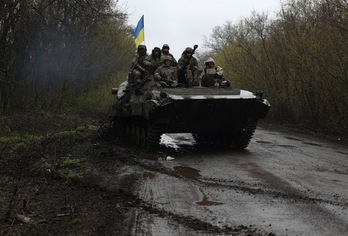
[[157, 76]]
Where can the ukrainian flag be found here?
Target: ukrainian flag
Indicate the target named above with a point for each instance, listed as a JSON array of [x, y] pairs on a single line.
[[139, 32]]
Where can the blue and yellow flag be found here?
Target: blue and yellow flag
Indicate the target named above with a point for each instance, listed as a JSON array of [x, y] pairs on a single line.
[[139, 32]]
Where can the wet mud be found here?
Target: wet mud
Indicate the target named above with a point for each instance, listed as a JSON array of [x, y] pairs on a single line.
[[273, 187]]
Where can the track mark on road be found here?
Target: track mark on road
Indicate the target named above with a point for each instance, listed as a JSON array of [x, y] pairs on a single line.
[[265, 142], [286, 146], [313, 144], [206, 202], [340, 152], [292, 138]]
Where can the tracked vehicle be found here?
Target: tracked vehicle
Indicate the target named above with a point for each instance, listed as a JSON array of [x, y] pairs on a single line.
[[215, 116]]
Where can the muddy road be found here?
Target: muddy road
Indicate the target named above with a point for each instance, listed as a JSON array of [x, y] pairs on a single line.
[[283, 184]]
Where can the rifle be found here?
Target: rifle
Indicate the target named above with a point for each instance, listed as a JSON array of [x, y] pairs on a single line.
[[182, 74]]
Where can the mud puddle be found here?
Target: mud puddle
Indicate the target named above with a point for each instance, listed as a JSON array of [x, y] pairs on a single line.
[[188, 172]]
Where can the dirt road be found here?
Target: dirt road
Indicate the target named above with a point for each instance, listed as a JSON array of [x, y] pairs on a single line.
[[283, 184], [73, 181]]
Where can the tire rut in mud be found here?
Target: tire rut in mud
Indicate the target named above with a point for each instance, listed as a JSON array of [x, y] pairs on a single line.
[[140, 165], [293, 195]]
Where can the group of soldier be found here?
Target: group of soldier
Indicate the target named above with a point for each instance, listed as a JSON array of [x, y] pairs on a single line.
[[165, 69]]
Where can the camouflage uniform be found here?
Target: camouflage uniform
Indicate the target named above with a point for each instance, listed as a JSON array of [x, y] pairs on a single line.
[[165, 52], [188, 72], [212, 75], [166, 72], [155, 60], [139, 65]]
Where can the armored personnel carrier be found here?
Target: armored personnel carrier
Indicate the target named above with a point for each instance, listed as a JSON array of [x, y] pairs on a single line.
[[221, 116]]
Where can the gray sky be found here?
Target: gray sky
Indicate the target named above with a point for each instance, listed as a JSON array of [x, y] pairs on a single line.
[[183, 23]]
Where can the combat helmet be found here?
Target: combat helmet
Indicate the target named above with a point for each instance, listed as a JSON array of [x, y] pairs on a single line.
[[209, 60], [165, 46], [167, 58], [188, 50], [156, 49], [141, 46]]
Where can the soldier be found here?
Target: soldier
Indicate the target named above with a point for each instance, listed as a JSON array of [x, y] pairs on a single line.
[[165, 52], [187, 68], [139, 66], [155, 60], [166, 72], [212, 75]]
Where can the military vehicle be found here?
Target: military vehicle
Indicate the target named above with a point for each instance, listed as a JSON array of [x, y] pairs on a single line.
[[219, 116]]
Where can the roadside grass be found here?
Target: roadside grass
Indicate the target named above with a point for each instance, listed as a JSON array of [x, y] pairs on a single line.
[[71, 169], [22, 141], [99, 99], [79, 129]]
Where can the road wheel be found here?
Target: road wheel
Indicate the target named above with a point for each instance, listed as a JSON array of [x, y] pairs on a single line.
[[202, 139], [143, 136], [222, 140], [119, 128], [209, 139], [198, 139], [153, 137], [133, 134], [215, 140], [137, 135], [245, 134], [127, 135]]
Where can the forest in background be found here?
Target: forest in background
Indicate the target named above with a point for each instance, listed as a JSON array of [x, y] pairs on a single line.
[[64, 56], [56, 54], [299, 59]]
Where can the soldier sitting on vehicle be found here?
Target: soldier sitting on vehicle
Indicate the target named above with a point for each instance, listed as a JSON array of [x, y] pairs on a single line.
[[155, 60], [165, 52], [188, 72], [140, 64], [212, 75], [166, 73]]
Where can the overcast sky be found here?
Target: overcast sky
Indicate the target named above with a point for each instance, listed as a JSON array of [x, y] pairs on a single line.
[[184, 23]]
